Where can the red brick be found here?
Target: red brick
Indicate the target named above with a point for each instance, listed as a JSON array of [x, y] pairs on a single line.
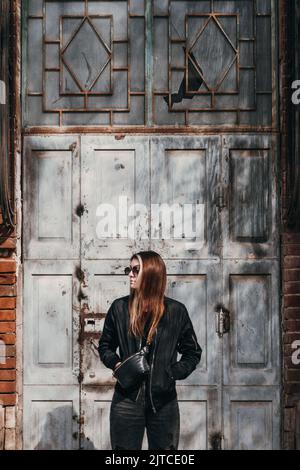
[[8, 400], [289, 440], [288, 364], [6, 302], [10, 363], [292, 375], [7, 266], [289, 325], [288, 350], [7, 327], [290, 275], [289, 338], [292, 313], [291, 261], [291, 250], [292, 388], [291, 288], [7, 315], [8, 338], [7, 387], [7, 291], [7, 278], [289, 419], [6, 375], [291, 301], [8, 243], [291, 238]]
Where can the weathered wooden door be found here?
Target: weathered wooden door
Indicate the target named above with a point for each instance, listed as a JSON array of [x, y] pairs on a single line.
[[166, 112], [166, 171], [51, 253]]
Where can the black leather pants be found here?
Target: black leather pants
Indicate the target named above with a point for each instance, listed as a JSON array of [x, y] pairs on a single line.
[[128, 420]]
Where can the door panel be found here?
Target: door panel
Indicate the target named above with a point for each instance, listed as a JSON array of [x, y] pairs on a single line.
[[252, 418], [250, 215], [51, 327], [252, 345], [104, 281], [199, 417], [51, 197], [96, 405], [197, 285], [51, 417], [185, 174], [95, 431], [115, 187]]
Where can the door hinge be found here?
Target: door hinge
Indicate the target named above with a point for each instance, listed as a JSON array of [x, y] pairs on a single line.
[[222, 320]]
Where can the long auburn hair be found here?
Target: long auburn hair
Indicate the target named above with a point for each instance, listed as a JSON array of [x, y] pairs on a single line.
[[147, 300]]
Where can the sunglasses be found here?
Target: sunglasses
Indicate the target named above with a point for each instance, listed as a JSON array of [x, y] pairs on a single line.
[[135, 270]]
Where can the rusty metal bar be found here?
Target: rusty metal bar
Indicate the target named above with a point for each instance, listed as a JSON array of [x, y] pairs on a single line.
[[167, 130], [149, 61]]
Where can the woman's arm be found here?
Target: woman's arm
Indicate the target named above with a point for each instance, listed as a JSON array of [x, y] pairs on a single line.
[[188, 346], [108, 342]]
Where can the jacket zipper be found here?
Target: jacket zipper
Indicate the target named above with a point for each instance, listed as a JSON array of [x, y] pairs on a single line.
[[142, 382], [151, 375], [195, 342]]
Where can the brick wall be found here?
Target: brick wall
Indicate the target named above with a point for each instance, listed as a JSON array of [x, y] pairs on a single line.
[[290, 247], [7, 342], [9, 415]]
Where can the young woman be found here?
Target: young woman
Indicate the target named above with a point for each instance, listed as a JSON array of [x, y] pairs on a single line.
[[147, 314]]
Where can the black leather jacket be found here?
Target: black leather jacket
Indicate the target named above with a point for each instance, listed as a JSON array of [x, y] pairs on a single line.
[[175, 333]]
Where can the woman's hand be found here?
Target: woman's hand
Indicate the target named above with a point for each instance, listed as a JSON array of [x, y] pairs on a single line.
[[118, 363]]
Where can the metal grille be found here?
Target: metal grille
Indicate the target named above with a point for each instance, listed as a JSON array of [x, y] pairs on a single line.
[[85, 63], [150, 64], [218, 62]]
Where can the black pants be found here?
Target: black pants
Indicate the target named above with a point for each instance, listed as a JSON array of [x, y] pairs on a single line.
[[128, 420]]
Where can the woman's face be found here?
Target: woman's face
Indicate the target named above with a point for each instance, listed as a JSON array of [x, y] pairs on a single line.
[[134, 278]]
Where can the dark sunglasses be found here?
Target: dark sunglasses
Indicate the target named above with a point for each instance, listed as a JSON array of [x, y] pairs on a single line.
[[135, 270]]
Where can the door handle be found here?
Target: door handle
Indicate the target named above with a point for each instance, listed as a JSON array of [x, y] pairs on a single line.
[[221, 197], [222, 320]]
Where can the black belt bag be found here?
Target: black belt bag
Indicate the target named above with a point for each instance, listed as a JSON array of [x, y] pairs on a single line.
[[132, 370]]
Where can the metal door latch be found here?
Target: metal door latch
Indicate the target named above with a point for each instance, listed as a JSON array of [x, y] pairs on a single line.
[[221, 200], [222, 321]]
